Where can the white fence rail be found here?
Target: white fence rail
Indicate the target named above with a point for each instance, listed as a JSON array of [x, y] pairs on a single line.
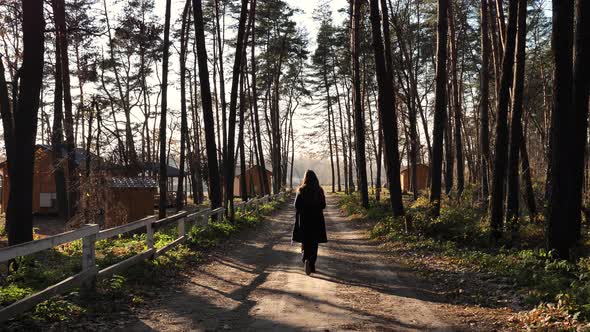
[[90, 233]]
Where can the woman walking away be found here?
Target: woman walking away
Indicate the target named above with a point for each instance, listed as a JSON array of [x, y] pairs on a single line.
[[310, 226]]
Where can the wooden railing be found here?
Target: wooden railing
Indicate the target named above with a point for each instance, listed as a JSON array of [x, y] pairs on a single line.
[[90, 233]]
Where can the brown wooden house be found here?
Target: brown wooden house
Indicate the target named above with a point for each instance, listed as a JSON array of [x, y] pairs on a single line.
[[113, 197], [44, 191], [254, 182], [422, 172]]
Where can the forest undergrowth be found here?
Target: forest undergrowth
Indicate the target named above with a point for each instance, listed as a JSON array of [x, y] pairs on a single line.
[[456, 254], [117, 296]]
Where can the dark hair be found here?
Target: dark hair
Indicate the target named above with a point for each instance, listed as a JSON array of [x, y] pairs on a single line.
[[311, 185]]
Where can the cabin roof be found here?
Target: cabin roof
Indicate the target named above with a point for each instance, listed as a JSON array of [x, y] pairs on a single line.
[[79, 153], [132, 182], [405, 168], [171, 172], [238, 170]]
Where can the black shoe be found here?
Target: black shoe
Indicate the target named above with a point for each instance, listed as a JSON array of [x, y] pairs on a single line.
[[307, 267], [313, 269]]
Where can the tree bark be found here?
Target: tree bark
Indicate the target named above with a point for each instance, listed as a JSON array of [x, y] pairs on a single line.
[[449, 150], [512, 208], [559, 226], [68, 122], [330, 124], [265, 189], [19, 217], [57, 141], [440, 107], [456, 106], [163, 173], [501, 149], [231, 133], [214, 188], [581, 81], [358, 106], [241, 145], [183, 113], [484, 102], [221, 83], [386, 103], [525, 168]]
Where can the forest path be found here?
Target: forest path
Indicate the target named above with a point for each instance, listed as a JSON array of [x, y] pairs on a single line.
[[256, 282]]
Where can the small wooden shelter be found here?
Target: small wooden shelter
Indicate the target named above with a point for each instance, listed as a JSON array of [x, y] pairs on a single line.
[[422, 172], [172, 177], [254, 182], [129, 199]]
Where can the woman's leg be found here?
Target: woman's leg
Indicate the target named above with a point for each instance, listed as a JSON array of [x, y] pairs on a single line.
[[313, 253], [305, 250]]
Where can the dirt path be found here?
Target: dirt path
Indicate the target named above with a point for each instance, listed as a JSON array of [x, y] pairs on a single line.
[[257, 283]]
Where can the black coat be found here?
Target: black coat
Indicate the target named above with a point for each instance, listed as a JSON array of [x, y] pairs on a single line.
[[310, 225]]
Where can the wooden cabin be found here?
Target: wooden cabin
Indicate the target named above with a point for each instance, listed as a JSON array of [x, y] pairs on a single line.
[[129, 195], [254, 182], [44, 191], [422, 173]]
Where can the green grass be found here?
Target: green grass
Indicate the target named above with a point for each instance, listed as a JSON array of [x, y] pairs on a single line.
[[461, 234], [119, 292]]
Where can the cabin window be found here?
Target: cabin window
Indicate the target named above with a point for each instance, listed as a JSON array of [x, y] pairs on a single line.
[[47, 200]]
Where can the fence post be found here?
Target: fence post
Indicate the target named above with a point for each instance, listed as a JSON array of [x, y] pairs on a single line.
[[89, 260], [181, 227], [150, 235]]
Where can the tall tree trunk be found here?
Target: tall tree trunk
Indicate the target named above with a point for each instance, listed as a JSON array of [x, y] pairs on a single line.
[[501, 149], [568, 126], [358, 106], [330, 124], [525, 168], [484, 102], [231, 133], [62, 38], [449, 153], [196, 167], [221, 83], [214, 187], [392, 155], [440, 107], [183, 113], [456, 106], [163, 173], [57, 140], [89, 138], [386, 103], [501, 23], [333, 121], [581, 81], [379, 157], [265, 189], [241, 145], [342, 132], [559, 226], [19, 217], [512, 208]]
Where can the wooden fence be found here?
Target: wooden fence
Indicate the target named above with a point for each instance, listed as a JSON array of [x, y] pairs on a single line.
[[90, 233]]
